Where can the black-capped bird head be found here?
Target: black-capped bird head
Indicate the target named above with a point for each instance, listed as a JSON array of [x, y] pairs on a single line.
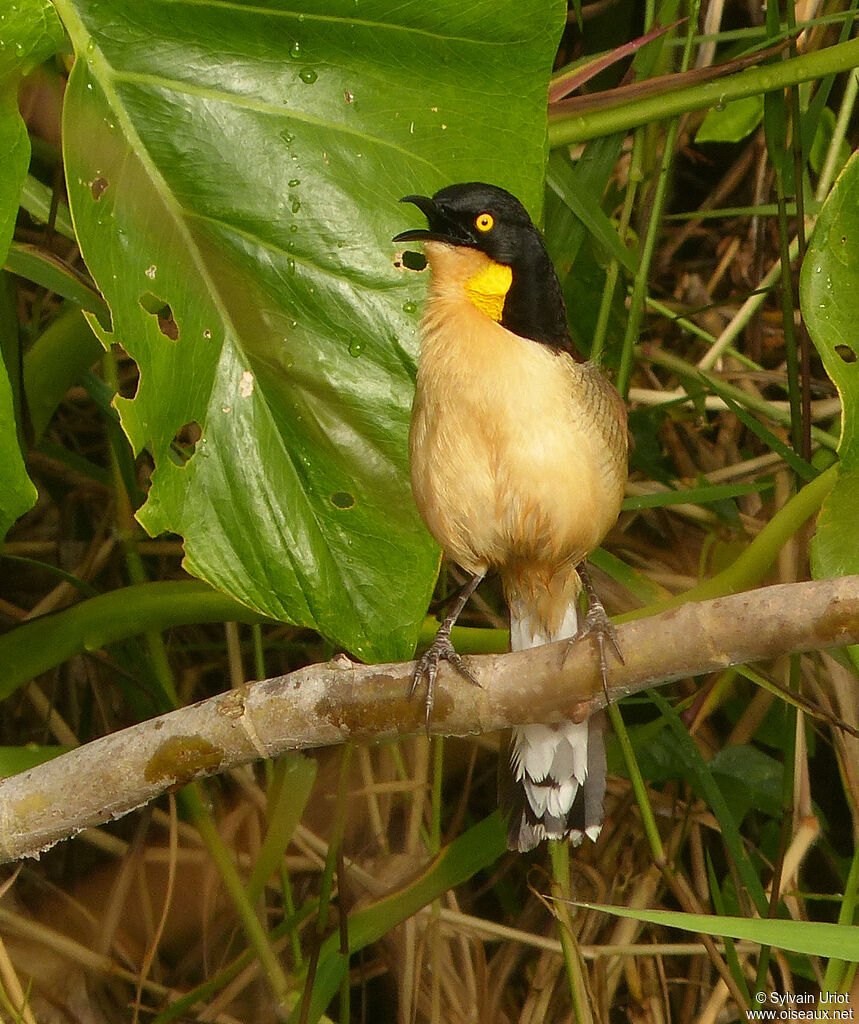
[[490, 220]]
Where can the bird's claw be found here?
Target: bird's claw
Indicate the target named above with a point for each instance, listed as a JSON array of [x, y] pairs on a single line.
[[441, 649], [598, 625]]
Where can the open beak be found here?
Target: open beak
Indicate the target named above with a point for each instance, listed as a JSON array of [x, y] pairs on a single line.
[[441, 228]]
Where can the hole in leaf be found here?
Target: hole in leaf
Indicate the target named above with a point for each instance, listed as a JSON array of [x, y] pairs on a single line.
[[144, 467], [161, 310], [152, 303], [98, 188], [184, 444], [167, 325], [846, 353], [408, 260], [127, 372], [342, 499]]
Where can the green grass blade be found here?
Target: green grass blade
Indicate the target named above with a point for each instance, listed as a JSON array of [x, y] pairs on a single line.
[[465, 856], [294, 775], [704, 495], [702, 781], [804, 470], [814, 938]]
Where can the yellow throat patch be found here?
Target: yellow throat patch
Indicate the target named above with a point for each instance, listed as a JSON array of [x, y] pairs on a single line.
[[488, 289]]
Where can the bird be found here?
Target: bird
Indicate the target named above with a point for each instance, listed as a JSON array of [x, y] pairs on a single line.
[[518, 454]]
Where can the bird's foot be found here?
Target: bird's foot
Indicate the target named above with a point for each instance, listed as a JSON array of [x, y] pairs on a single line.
[[441, 649], [598, 625]]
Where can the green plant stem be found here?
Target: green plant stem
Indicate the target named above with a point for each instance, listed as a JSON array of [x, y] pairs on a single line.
[[216, 982], [290, 914], [639, 287], [687, 371], [681, 321], [568, 129], [335, 839], [730, 949], [759, 556], [789, 712], [835, 969], [799, 155], [258, 651], [654, 225], [604, 315], [292, 780], [461, 859], [468, 639], [845, 112], [326, 884], [799, 426], [559, 854], [684, 895], [39, 645], [254, 930], [636, 779], [613, 272], [437, 795], [292, 774], [778, 113]]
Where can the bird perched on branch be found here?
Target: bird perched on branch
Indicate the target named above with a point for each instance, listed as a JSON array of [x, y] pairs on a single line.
[[518, 462]]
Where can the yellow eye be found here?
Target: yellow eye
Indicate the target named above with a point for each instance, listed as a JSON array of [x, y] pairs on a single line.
[[484, 221]]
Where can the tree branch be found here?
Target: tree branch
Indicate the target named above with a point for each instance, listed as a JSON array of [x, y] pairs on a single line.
[[330, 703]]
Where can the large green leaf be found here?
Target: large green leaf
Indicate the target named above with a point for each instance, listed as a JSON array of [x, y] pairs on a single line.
[[829, 294], [15, 145], [241, 165], [17, 494], [30, 32]]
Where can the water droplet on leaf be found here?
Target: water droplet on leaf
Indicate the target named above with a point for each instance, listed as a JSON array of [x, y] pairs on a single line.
[[308, 76]]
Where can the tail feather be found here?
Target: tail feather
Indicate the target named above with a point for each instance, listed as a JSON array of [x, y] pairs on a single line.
[[556, 778]]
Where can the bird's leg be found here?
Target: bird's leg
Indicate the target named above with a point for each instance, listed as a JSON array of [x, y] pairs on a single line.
[[598, 625], [441, 649]]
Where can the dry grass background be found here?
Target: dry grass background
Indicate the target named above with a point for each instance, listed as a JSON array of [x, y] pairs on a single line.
[[116, 924]]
